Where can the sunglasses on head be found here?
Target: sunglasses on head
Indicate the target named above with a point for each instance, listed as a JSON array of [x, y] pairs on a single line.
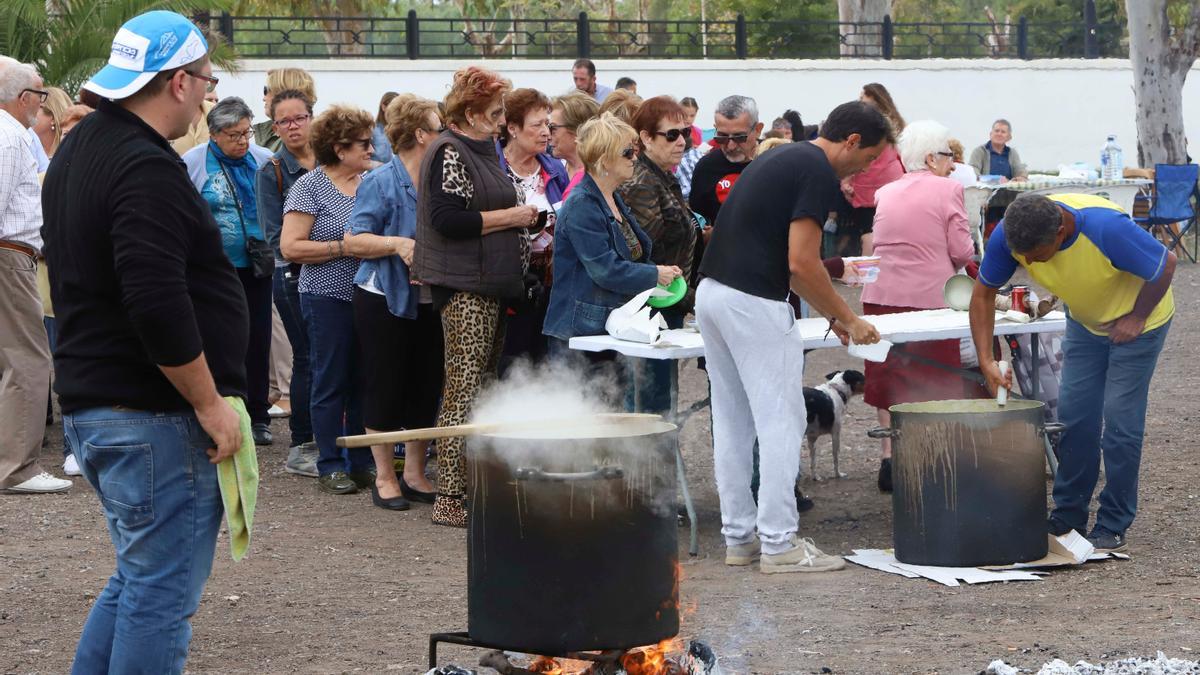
[[629, 153], [673, 135], [722, 139]]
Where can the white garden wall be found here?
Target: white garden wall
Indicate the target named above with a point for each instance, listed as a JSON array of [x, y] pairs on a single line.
[[1061, 110]]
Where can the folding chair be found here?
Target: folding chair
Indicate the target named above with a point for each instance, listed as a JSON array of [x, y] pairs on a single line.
[[1174, 188]]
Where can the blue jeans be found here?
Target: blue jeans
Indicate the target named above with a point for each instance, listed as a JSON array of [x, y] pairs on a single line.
[[163, 507], [287, 301], [1102, 402], [654, 387], [336, 396]]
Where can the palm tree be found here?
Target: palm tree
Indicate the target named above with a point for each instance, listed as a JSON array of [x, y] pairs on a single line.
[[69, 40]]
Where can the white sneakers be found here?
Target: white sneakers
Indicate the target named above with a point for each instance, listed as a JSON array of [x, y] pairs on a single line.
[[804, 556], [743, 554], [277, 411], [42, 483], [71, 466]]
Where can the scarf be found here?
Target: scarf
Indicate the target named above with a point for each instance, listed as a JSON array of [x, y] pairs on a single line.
[[241, 171]]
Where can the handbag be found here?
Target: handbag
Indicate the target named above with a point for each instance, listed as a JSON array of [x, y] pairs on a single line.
[[260, 253]]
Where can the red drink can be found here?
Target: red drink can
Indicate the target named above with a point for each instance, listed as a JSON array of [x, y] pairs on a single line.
[[1018, 296]]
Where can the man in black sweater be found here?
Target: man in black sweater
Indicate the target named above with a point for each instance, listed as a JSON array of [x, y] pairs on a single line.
[[738, 129], [153, 333]]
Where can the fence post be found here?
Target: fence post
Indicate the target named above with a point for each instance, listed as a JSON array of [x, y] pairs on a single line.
[[1091, 41], [1023, 38], [412, 34], [741, 44], [887, 35], [583, 36], [225, 27]]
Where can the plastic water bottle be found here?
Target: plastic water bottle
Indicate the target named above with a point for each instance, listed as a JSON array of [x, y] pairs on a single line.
[[1112, 160]]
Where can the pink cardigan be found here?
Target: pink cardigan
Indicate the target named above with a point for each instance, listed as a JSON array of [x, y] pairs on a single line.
[[886, 168], [922, 238]]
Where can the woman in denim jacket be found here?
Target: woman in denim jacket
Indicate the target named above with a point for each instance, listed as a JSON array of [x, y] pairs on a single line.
[[601, 256]]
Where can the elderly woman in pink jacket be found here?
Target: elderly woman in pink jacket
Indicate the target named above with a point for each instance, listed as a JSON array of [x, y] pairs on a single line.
[[922, 238]]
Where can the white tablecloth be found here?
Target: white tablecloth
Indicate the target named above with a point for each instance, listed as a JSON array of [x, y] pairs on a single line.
[[931, 324]]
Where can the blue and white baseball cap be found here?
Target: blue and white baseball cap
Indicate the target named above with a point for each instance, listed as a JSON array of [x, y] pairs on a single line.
[[146, 45]]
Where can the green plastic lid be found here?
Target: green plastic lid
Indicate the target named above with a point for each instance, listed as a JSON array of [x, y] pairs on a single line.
[[677, 289]]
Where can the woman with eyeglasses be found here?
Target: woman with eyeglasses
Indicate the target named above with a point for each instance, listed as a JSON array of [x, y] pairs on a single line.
[[541, 178], [281, 79], [316, 219], [399, 333], [291, 113], [602, 257], [656, 201], [473, 252], [567, 113], [922, 238], [223, 171]]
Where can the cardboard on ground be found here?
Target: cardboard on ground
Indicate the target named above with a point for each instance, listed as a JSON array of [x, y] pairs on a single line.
[[1068, 550]]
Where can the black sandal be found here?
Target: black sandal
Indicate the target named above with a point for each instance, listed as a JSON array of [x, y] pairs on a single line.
[[414, 495]]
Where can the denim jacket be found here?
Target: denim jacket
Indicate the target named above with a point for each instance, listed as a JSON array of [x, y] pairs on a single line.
[[594, 272], [271, 196], [386, 205]]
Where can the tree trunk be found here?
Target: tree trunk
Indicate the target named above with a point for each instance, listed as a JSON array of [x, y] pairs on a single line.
[[862, 40], [1160, 64]]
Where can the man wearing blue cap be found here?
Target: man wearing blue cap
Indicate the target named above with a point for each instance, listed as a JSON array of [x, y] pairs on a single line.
[[153, 335]]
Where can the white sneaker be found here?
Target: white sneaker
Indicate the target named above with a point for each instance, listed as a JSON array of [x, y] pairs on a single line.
[[804, 556], [42, 483], [71, 466], [276, 411], [741, 555]]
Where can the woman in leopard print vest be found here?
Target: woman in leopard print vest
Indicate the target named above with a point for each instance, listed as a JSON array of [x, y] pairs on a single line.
[[473, 251]]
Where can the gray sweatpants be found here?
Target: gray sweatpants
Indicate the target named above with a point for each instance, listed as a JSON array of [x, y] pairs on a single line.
[[755, 367]]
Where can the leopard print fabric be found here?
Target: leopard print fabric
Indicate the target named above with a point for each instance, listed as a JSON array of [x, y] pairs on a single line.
[[474, 337]]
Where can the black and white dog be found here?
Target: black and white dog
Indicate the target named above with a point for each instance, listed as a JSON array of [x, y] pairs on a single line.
[[826, 405]]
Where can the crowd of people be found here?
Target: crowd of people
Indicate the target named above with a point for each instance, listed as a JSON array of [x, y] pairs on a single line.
[[189, 270]]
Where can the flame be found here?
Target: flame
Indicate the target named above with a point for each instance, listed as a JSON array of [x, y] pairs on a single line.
[[544, 664], [653, 660]]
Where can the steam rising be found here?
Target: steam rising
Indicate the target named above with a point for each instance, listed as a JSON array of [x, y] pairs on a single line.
[[553, 389]]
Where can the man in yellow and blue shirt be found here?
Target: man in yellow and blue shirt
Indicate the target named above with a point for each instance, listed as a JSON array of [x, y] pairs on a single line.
[[1115, 280]]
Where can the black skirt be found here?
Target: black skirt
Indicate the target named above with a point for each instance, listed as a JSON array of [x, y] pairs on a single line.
[[402, 364]]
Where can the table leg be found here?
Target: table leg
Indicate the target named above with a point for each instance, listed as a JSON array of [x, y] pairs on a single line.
[[1034, 347], [680, 468]]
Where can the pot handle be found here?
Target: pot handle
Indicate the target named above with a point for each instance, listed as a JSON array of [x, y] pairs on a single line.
[[1051, 428], [602, 473], [883, 432]]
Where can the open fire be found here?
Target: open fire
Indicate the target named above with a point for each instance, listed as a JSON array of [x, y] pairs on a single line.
[[669, 657]]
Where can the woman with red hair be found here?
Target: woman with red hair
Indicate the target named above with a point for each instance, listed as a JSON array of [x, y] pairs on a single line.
[[472, 254]]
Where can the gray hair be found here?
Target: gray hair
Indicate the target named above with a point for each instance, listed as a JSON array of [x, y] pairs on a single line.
[[226, 113], [919, 140], [1031, 222], [14, 78], [1004, 122], [731, 107]]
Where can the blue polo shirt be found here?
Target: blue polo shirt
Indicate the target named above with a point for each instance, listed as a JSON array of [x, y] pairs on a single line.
[[998, 164]]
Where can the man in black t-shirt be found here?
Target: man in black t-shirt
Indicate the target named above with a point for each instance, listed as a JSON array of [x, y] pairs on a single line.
[[767, 242], [738, 129]]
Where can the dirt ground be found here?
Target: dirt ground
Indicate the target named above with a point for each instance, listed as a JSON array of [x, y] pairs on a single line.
[[334, 585]]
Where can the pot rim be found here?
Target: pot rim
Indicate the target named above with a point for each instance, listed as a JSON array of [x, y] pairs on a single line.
[[971, 406], [633, 428]]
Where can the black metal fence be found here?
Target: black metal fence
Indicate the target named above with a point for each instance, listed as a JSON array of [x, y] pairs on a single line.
[[413, 37]]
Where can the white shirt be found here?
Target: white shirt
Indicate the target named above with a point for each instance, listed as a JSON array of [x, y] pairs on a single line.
[[965, 174], [20, 193], [39, 151]]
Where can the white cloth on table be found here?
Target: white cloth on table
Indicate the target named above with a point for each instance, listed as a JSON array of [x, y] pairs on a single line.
[[755, 366], [20, 193]]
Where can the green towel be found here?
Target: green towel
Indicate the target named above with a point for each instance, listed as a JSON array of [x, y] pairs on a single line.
[[238, 477]]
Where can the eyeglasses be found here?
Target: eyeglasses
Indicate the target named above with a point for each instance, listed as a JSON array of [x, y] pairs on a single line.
[[723, 139], [297, 121], [673, 135], [630, 152], [238, 135], [434, 131], [555, 127], [945, 154], [42, 95], [212, 81], [266, 91]]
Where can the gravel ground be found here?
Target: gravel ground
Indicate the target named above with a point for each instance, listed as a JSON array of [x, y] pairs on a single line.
[[334, 585]]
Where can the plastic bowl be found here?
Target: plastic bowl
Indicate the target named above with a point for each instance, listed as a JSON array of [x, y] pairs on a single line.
[[957, 292], [677, 290]]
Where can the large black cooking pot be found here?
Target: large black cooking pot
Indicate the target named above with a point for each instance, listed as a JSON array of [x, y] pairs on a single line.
[[969, 482], [572, 541]]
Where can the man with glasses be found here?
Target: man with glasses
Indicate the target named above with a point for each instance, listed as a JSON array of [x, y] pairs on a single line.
[[738, 129], [153, 337], [24, 351]]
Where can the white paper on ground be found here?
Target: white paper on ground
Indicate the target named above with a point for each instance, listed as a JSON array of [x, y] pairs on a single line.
[[636, 321], [885, 561], [877, 352]]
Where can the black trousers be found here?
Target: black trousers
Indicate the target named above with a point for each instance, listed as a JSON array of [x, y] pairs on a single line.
[[258, 350]]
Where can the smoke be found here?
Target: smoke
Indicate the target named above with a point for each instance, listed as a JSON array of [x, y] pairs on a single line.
[[552, 389]]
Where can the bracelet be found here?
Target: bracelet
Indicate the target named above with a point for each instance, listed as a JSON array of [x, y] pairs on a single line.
[[341, 248], [329, 250]]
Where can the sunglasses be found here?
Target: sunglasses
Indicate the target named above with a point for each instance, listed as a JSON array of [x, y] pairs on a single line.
[[297, 121], [211, 85], [555, 127], [723, 139], [364, 143], [42, 95], [673, 135], [629, 153]]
